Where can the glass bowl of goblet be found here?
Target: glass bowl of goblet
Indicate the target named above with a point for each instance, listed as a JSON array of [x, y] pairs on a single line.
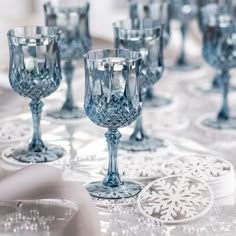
[[184, 11], [35, 73], [208, 9], [112, 101], [144, 36], [219, 50], [72, 18], [158, 10]]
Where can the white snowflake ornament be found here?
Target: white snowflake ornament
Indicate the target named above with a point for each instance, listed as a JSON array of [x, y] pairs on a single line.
[[217, 172], [205, 167], [175, 199]]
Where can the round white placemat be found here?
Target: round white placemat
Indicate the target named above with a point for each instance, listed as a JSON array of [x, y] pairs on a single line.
[[175, 199]]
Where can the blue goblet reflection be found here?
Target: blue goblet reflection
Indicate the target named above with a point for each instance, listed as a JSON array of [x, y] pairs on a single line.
[[72, 19], [35, 73], [219, 50], [144, 36], [112, 101], [157, 10], [184, 11]]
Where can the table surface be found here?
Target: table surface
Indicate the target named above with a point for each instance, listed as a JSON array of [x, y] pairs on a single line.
[[83, 140]]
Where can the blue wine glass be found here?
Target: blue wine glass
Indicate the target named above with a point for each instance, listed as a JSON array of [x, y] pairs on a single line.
[[158, 10], [72, 18], [112, 101], [204, 13], [145, 36], [35, 73], [154, 9], [184, 11], [219, 50]]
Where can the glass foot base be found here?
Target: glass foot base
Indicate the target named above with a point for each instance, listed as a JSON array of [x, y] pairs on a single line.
[[147, 144], [76, 113], [184, 67], [113, 203], [214, 123], [209, 89], [127, 190], [157, 101], [21, 154]]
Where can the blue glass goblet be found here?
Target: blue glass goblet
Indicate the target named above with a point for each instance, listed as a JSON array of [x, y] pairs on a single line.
[[157, 10], [154, 9], [207, 9], [144, 36], [72, 19], [184, 11], [219, 50], [35, 73], [112, 101]]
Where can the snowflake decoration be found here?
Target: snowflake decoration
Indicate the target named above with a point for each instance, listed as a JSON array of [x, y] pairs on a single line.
[[175, 199], [204, 167], [143, 167]]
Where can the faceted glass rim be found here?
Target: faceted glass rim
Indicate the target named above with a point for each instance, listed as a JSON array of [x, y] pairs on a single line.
[[98, 55], [33, 32], [79, 6], [147, 25]]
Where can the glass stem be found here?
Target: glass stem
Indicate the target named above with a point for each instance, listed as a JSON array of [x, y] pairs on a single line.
[[112, 178], [182, 57], [224, 112], [69, 72], [216, 81], [138, 134], [149, 94], [36, 145]]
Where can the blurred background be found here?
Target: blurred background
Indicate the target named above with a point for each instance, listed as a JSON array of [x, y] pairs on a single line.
[[102, 14], [30, 12]]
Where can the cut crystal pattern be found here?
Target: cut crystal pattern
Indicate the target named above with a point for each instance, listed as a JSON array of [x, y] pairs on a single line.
[[117, 113], [126, 190], [175, 199], [112, 99], [34, 84]]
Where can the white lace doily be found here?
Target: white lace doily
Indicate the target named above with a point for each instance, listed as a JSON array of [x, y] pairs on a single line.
[[12, 131], [170, 120], [208, 168], [141, 168], [175, 199]]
